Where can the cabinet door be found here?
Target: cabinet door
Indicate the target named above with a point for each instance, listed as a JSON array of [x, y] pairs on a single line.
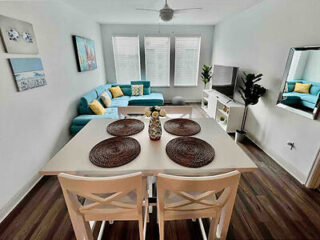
[[212, 105]]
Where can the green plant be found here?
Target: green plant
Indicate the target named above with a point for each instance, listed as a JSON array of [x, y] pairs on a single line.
[[250, 92], [206, 74], [222, 118]]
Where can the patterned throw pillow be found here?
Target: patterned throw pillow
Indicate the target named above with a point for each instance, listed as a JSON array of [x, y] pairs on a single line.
[[105, 98], [137, 90]]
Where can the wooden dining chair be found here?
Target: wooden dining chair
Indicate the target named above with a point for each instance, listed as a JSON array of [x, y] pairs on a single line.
[[131, 111], [197, 197], [178, 111], [172, 111], [105, 199]]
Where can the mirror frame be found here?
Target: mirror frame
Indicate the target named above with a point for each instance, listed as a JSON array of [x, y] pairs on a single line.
[[316, 110]]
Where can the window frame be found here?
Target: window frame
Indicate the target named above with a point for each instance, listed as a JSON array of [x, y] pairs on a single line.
[[169, 58], [175, 62], [114, 57]]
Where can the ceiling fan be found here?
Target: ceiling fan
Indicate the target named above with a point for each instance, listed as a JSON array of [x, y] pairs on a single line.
[[166, 13]]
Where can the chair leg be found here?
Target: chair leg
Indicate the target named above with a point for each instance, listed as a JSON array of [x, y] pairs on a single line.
[[213, 228], [161, 228], [141, 231]]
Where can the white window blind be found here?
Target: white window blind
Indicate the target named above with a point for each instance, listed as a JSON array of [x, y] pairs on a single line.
[[126, 52], [187, 55], [157, 57]]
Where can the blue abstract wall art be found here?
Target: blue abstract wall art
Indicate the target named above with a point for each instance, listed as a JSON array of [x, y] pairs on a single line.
[[86, 55]]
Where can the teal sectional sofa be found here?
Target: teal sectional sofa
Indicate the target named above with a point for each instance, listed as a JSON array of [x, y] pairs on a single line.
[[304, 99], [85, 114]]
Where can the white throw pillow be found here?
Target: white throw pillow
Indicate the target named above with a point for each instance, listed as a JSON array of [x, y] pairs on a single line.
[[106, 99]]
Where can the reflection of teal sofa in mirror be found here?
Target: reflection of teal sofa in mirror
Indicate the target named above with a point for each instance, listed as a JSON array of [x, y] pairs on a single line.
[[307, 100], [85, 114]]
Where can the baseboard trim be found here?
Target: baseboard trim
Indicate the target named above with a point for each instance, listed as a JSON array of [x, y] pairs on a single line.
[[186, 101], [287, 167], [17, 198]]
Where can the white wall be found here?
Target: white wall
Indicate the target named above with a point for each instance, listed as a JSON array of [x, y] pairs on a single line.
[[312, 69], [34, 124], [206, 32], [259, 40]]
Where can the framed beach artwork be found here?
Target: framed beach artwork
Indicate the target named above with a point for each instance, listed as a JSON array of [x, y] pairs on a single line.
[[18, 36], [85, 53], [28, 73]]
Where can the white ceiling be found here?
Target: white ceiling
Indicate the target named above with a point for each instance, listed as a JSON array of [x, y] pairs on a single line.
[[123, 11]]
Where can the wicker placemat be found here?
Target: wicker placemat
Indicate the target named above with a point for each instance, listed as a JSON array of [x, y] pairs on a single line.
[[182, 127], [125, 127], [190, 152], [114, 152]]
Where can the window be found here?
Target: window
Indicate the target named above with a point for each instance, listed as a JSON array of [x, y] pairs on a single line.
[[126, 52], [157, 57], [187, 61]]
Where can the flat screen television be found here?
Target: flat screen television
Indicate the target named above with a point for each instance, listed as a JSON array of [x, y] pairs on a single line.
[[224, 79]]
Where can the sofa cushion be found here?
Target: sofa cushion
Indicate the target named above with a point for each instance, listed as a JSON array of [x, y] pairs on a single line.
[[75, 129], [120, 101], [82, 120], [303, 97], [309, 98], [146, 86], [103, 88], [84, 110], [126, 88], [88, 98], [291, 86], [315, 90], [152, 99]]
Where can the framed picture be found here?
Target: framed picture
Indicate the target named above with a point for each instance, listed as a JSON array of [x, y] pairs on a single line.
[[85, 53], [28, 73], [18, 36]]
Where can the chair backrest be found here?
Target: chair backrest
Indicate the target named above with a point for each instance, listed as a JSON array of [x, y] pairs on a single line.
[[102, 193], [178, 111], [196, 191], [172, 111], [138, 111]]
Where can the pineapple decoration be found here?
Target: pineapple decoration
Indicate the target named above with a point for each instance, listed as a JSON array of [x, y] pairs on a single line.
[[155, 129]]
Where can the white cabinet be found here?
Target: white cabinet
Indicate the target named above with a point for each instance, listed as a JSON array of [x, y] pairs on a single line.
[[224, 110]]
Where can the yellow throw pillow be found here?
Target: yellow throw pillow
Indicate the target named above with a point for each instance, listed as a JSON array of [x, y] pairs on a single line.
[[302, 87], [116, 92], [96, 107], [105, 98], [137, 90]]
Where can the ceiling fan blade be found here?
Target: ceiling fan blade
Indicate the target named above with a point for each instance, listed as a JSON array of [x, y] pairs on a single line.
[[147, 9], [185, 9]]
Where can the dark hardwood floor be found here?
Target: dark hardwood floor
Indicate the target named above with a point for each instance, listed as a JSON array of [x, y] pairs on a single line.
[[270, 205]]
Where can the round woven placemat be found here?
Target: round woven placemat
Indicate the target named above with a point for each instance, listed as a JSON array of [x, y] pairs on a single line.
[[114, 152], [182, 127], [125, 127], [190, 152]]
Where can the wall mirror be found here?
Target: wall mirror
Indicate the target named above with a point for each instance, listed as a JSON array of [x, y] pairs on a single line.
[[300, 88]]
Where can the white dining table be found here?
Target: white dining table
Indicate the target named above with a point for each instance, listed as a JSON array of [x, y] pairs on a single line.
[[73, 158]]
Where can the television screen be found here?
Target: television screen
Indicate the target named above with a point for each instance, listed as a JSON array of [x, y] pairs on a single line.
[[224, 79]]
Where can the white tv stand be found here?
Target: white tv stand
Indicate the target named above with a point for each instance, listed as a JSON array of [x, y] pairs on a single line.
[[224, 110]]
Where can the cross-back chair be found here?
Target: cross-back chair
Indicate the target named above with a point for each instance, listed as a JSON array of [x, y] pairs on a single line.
[[106, 199], [197, 197], [172, 111]]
